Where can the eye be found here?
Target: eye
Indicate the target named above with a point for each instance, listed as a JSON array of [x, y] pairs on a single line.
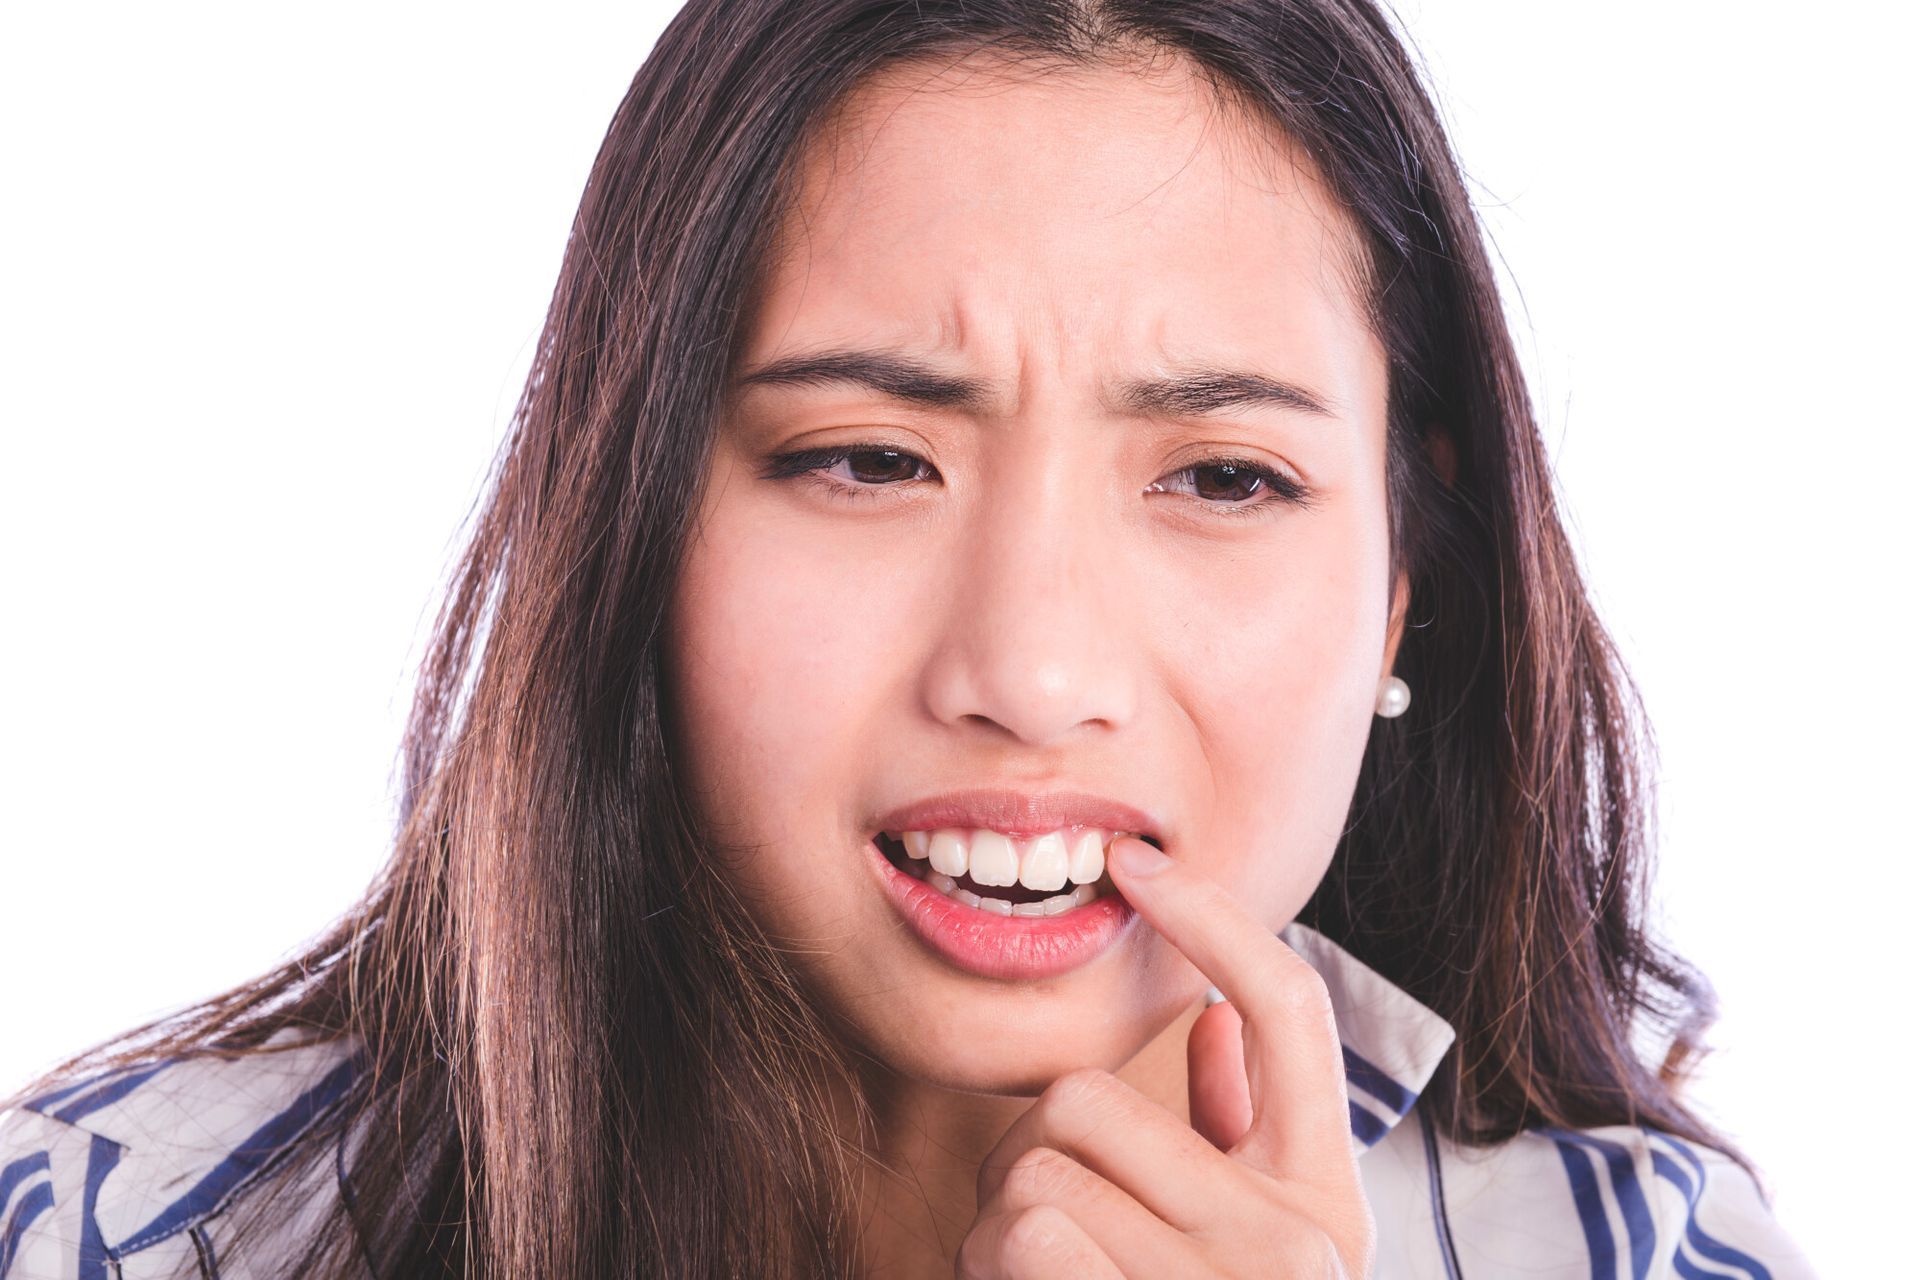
[[1248, 486], [1233, 487], [889, 467]]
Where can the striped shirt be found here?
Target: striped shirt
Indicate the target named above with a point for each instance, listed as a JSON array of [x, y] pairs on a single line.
[[134, 1174]]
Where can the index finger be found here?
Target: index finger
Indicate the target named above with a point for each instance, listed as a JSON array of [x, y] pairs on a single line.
[[1295, 1074]]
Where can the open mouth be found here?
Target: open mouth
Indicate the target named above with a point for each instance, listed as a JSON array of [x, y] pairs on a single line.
[[1000, 899]]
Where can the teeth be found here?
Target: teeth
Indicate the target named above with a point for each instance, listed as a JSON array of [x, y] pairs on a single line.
[[1087, 860], [947, 851], [1080, 896], [992, 859], [1045, 862]]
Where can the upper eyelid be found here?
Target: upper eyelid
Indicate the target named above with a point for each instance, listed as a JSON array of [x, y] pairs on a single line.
[[1283, 488], [833, 455]]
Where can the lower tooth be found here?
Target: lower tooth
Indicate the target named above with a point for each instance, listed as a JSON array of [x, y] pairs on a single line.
[[1059, 904]]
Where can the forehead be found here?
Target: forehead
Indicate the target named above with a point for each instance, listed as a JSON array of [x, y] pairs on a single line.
[[1071, 212]]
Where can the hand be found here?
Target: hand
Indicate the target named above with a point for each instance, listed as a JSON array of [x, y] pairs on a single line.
[[1097, 1180]]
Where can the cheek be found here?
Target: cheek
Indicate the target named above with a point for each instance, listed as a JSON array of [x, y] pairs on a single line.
[[1284, 709], [774, 673]]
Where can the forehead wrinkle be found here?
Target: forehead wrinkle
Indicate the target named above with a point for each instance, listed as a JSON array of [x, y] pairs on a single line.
[[1183, 388], [1252, 140]]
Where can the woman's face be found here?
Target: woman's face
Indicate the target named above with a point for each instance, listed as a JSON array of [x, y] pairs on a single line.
[[1046, 586]]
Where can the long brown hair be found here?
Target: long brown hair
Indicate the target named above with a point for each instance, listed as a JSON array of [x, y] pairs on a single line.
[[579, 1051]]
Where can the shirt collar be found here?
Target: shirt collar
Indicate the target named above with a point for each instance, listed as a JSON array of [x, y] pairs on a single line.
[[1391, 1043]]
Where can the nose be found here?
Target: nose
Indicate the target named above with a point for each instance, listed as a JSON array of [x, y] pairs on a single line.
[[1038, 637]]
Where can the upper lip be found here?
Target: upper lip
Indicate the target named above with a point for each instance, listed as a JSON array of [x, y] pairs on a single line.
[[1019, 814]]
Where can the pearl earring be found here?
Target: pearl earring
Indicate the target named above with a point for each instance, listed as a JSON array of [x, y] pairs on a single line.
[[1394, 698]]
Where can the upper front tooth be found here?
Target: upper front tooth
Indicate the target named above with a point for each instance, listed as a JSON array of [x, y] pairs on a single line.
[[947, 851], [1087, 859], [1043, 862], [991, 859]]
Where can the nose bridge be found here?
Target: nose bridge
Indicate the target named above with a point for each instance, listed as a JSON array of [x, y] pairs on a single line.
[[1033, 639]]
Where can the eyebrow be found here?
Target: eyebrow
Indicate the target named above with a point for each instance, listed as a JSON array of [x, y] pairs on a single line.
[[1207, 389]]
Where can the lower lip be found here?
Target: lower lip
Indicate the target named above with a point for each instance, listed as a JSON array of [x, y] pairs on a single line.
[[997, 946]]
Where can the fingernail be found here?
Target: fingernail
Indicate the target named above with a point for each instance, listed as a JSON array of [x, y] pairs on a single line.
[[1136, 857]]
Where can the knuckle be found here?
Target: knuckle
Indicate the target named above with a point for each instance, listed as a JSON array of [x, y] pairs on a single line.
[[1360, 1241], [972, 1262], [1038, 1231], [1327, 1241], [1302, 996], [1076, 1090], [1039, 1174]]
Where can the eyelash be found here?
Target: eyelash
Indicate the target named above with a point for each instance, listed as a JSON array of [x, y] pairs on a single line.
[[809, 463]]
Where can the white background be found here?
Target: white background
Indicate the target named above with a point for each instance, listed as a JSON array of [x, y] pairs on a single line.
[[271, 279]]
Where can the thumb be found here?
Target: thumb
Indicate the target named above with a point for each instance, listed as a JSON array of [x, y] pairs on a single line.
[[1219, 1103]]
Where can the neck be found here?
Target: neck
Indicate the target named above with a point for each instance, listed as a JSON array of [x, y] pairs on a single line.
[[917, 1193]]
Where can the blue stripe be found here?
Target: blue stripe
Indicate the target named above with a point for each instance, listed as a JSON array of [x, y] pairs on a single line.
[[1443, 1230], [1702, 1243], [1626, 1193], [1684, 1267], [18, 1172], [1593, 1213], [38, 1200], [1377, 1082], [208, 1262], [249, 1158], [109, 1094], [1705, 1245], [46, 1100], [345, 1183], [1367, 1127], [101, 1157]]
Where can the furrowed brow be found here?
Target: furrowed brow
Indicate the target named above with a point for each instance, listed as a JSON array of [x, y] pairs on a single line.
[[902, 377], [1212, 390], [889, 373]]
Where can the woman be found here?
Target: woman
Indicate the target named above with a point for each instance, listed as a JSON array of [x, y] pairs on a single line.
[[1020, 706]]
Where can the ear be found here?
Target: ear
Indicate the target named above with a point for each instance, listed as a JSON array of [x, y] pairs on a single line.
[[1440, 453], [1396, 623]]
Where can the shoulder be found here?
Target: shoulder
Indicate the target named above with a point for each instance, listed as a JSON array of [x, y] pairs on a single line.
[[132, 1172], [1587, 1202]]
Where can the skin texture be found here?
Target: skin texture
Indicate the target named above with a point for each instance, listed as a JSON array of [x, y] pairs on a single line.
[[1054, 599]]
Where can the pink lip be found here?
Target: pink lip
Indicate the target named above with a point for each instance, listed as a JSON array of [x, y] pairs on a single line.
[[996, 946], [1017, 814]]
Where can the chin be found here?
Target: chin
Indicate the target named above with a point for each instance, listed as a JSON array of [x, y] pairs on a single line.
[[972, 1036]]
